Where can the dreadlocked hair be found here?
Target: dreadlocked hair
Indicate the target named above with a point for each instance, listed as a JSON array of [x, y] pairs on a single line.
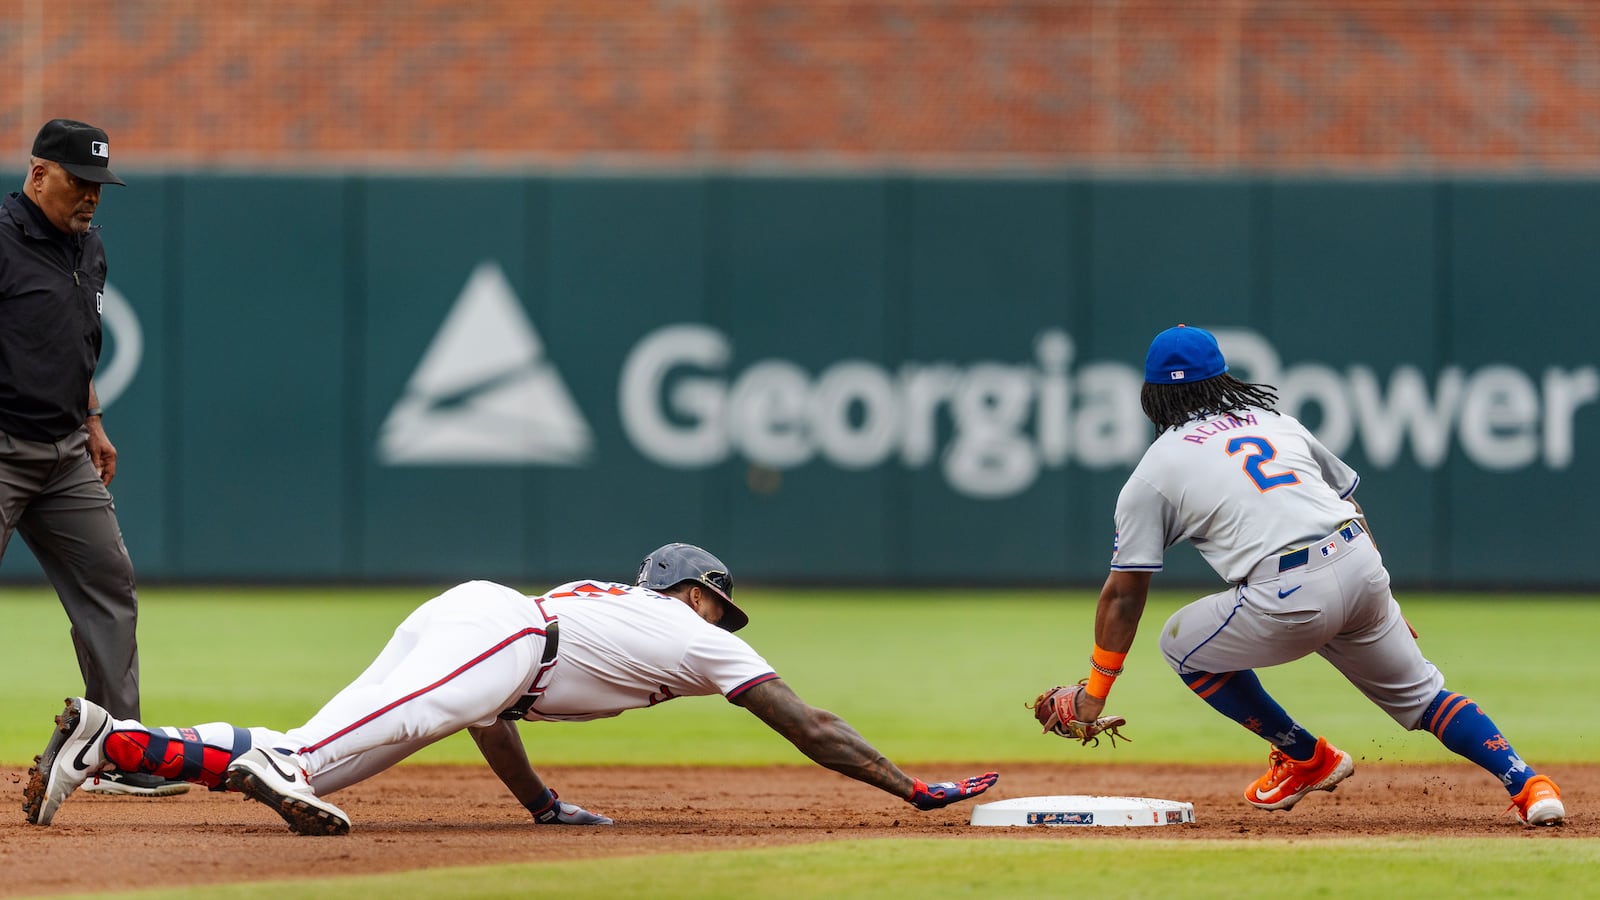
[[1172, 405]]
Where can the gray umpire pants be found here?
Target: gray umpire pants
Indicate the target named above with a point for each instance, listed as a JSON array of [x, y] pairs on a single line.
[[50, 493]]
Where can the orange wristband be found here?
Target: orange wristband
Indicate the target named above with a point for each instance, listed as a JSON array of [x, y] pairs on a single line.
[[1104, 666], [1099, 684]]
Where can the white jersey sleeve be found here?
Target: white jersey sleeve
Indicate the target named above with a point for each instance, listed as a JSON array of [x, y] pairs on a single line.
[[1239, 487], [726, 664]]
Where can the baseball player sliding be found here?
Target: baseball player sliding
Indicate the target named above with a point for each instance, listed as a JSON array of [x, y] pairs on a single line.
[[1272, 510], [482, 656]]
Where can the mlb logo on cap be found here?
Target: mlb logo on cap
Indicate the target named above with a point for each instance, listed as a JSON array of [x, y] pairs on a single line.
[[1183, 355], [78, 147]]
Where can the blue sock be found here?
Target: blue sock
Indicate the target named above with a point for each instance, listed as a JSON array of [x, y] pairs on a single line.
[[1240, 697], [1467, 731]]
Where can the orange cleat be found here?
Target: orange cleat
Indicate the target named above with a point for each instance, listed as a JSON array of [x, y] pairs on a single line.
[[1539, 803], [1288, 780]]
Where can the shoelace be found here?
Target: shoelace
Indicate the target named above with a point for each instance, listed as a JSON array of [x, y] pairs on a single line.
[[1513, 808], [1278, 766]]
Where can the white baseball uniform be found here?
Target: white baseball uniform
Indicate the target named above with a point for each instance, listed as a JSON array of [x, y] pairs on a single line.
[[472, 652], [1267, 506]]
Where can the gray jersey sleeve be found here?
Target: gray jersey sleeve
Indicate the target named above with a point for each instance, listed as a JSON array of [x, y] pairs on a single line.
[[1147, 525], [1335, 471]]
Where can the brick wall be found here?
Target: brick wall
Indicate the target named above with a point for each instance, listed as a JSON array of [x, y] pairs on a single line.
[[1185, 85]]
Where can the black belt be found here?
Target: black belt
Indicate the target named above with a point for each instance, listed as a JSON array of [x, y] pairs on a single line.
[[552, 640], [1298, 558]]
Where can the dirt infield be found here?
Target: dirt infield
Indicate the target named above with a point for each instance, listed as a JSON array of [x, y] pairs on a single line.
[[416, 817]]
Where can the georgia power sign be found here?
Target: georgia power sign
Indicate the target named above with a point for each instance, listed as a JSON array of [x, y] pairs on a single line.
[[484, 393]]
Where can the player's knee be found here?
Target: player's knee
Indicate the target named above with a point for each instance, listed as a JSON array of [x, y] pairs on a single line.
[[1170, 649], [109, 570]]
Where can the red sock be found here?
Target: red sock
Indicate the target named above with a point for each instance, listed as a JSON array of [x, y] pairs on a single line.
[[183, 758]]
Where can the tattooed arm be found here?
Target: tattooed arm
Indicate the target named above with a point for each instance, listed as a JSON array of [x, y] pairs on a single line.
[[824, 737]]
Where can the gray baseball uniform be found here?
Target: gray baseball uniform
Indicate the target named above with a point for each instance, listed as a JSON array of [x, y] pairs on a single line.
[[1267, 506]]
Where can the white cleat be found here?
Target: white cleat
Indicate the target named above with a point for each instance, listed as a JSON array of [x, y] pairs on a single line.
[[274, 776], [75, 752]]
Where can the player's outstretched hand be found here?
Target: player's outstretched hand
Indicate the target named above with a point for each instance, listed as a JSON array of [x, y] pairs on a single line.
[[559, 812], [934, 796]]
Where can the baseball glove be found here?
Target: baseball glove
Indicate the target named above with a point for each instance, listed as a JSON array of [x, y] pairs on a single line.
[[1057, 710]]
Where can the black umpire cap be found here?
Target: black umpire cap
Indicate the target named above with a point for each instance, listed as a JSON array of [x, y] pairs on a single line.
[[78, 147]]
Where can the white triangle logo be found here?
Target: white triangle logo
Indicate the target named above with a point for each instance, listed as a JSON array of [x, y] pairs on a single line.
[[484, 393]]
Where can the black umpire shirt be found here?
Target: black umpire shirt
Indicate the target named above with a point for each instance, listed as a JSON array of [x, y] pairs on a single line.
[[51, 285]]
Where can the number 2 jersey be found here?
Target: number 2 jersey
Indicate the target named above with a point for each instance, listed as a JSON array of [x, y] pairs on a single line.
[[1240, 487]]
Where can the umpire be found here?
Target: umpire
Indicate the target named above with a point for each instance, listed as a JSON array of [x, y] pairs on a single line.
[[55, 459]]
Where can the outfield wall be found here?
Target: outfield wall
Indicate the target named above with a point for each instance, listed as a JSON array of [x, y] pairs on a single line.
[[883, 378]]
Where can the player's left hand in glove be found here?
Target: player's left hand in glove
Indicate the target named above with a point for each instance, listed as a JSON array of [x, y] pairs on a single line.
[[926, 796], [1058, 711], [557, 812]]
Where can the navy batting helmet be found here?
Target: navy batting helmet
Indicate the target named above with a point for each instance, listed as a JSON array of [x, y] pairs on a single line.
[[672, 565]]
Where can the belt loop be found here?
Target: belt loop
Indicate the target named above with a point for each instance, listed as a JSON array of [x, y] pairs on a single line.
[[1294, 559], [552, 641]]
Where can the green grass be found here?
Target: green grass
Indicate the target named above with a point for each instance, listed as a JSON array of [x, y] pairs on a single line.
[[927, 677], [1108, 869]]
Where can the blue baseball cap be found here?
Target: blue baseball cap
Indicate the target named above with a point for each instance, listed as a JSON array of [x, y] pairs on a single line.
[[1183, 355]]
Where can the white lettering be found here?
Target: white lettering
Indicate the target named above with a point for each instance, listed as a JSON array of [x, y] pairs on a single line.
[[127, 342], [989, 457], [843, 390], [1384, 426], [1054, 351], [1320, 387], [703, 440], [1499, 419], [1111, 429], [923, 390], [768, 416], [1564, 392], [1000, 425]]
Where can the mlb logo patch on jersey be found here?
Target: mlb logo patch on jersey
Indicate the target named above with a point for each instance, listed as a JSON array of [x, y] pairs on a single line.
[[1116, 542], [1330, 548]]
